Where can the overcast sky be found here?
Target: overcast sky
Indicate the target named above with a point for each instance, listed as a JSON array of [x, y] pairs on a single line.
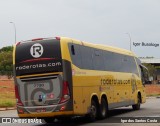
[[96, 21]]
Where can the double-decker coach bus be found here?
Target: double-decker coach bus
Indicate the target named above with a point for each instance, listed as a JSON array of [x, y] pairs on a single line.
[[57, 77]]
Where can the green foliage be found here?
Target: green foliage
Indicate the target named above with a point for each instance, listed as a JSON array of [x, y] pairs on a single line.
[[6, 49], [6, 58]]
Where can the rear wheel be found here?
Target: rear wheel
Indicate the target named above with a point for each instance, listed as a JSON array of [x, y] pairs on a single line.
[[138, 105], [93, 111], [103, 109]]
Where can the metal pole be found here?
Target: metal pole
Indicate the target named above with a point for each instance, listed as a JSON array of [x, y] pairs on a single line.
[[14, 29], [130, 41]]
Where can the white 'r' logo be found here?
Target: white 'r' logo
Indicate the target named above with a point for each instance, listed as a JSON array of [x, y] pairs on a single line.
[[36, 50]]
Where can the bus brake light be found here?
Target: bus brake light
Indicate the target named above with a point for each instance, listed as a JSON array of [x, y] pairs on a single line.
[[19, 102], [65, 92], [58, 38], [18, 43], [37, 39], [63, 108], [20, 111]]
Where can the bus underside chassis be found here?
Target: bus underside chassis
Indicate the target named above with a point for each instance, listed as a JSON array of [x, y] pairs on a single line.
[[98, 111], [49, 120], [55, 119]]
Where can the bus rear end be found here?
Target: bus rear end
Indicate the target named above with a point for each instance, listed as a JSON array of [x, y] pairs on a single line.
[[43, 81]]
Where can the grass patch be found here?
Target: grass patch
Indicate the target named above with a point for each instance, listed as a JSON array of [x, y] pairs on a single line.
[[10, 103], [7, 99], [153, 95], [7, 95], [3, 87]]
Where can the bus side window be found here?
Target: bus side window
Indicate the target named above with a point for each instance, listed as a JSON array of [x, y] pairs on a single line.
[[98, 60], [75, 53], [72, 50], [87, 57]]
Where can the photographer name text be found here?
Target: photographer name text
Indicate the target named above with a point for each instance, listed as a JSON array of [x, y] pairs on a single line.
[[137, 44]]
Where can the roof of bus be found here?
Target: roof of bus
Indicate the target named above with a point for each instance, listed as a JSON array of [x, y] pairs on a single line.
[[99, 46]]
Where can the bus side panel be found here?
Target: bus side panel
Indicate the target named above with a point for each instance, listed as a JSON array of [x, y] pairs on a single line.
[[67, 76], [78, 102], [67, 70]]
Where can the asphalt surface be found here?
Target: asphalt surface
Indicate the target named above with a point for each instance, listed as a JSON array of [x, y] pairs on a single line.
[[149, 111]]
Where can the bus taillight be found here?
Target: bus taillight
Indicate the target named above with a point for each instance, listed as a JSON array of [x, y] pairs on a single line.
[[37, 39], [19, 102], [65, 92], [58, 38], [18, 43]]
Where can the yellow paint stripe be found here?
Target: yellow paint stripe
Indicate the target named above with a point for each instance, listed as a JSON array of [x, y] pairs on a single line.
[[46, 114]]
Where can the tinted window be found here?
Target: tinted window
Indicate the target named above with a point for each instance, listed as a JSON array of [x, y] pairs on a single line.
[[51, 49], [133, 66], [95, 59], [98, 62], [117, 62], [113, 61], [87, 57], [126, 63], [108, 61], [75, 54], [38, 57]]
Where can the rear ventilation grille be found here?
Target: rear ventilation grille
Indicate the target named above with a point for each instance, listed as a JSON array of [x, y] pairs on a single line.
[[38, 78]]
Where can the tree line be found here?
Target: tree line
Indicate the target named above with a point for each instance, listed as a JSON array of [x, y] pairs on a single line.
[[6, 58]]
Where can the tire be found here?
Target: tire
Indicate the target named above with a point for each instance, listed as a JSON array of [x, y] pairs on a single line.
[[103, 109], [49, 120], [93, 111], [138, 105]]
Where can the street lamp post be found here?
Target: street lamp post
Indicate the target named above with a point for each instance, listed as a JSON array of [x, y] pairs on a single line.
[[14, 29], [130, 40]]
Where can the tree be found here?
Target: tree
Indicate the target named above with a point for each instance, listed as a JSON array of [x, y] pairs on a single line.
[[6, 67], [6, 49]]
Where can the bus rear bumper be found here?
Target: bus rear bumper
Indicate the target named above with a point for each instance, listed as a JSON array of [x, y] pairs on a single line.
[[44, 111]]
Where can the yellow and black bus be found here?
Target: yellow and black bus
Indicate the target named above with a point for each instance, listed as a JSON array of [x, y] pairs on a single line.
[[57, 77]]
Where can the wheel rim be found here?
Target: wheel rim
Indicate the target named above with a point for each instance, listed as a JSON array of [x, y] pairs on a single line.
[[103, 110], [93, 111]]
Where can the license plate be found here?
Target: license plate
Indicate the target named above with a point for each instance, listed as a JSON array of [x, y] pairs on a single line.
[[41, 85]]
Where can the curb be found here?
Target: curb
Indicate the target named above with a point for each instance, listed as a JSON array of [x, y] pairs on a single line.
[[3, 109], [7, 108], [152, 97], [11, 108]]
